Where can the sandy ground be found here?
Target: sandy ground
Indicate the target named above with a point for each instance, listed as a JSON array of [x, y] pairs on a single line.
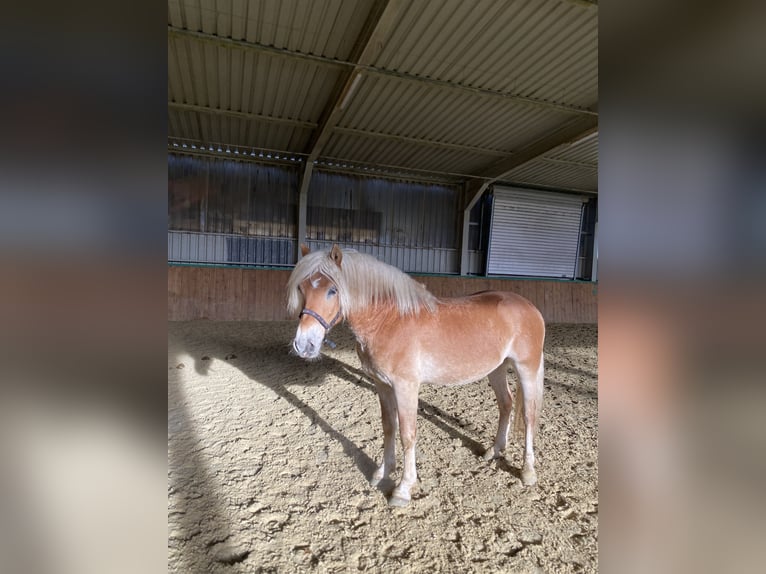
[[269, 459]]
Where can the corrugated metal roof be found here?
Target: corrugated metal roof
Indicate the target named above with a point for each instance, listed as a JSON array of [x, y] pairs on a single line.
[[204, 127], [574, 167], [385, 105], [372, 151], [449, 86], [583, 151], [555, 175], [324, 27], [220, 78], [546, 49]]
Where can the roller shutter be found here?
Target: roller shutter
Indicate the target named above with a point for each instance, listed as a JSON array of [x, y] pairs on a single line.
[[534, 233]]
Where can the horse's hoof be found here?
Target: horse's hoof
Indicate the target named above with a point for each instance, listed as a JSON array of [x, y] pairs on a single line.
[[490, 455], [398, 502], [528, 476]]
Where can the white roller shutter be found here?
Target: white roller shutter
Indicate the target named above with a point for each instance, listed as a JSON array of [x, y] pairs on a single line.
[[534, 233]]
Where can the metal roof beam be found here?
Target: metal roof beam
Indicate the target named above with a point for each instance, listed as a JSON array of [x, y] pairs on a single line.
[[241, 115], [283, 157], [474, 190], [426, 143], [555, 188], [569, 162], [584, 3], [370, 69], [174, 31], [366, 48], [380, 168], [567, 133]]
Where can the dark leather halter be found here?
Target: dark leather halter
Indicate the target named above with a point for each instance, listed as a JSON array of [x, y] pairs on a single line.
[[327, 326]]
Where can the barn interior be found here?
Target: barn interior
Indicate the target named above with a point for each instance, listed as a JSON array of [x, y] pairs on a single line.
[[455, 140]]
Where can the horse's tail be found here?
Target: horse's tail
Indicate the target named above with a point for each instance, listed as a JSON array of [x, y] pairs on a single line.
[[535, 387]]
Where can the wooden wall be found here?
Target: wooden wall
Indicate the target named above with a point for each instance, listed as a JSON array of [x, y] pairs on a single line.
[[232, 294]]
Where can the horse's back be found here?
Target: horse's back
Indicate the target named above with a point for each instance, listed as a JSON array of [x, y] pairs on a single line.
[[469, 336], [501, 301]]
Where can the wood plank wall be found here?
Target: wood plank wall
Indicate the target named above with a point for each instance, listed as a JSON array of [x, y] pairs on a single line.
[[232, 294]]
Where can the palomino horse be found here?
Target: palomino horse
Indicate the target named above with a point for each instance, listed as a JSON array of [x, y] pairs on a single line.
[[406, 336]]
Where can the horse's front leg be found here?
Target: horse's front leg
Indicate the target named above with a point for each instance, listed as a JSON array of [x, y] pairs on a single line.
[[389, 417], [407, 408], [499, 383]]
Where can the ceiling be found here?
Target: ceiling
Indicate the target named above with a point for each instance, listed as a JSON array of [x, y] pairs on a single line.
[[448, 90]]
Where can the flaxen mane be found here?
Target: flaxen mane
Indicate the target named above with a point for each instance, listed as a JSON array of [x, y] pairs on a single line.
[[362, 281]]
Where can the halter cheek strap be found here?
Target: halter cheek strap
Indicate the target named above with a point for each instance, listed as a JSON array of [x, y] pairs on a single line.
[[327, 326]]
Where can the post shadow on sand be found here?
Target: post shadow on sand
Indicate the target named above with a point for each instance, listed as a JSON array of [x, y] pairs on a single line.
[[277, 359]]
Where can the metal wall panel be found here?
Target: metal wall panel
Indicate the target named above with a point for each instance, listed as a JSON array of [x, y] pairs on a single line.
[[408, 259], [534, 233], [223, 196], [225, 211], [230, 249], [407, 224]]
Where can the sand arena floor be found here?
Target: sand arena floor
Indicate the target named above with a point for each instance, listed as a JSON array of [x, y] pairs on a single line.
[[269, 459]]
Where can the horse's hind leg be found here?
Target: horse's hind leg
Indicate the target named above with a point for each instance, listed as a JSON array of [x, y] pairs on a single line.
[[530, 374], [499, 384], [389, 418]]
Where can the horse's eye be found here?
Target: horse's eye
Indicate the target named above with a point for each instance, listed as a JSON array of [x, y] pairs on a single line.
[[331, 292]]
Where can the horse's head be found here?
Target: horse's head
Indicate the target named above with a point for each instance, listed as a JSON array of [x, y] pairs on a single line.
[[321, 310]]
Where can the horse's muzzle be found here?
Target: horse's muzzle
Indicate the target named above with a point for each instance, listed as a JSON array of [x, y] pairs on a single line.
[[306, 347]]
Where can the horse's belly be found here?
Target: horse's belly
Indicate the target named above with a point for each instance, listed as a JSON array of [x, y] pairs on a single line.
[[450, 371], [450, 380]]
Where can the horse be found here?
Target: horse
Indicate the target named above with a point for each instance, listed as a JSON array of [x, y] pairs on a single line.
[[406, 336]]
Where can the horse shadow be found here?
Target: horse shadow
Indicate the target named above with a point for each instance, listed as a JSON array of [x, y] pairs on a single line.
[[268, 365]]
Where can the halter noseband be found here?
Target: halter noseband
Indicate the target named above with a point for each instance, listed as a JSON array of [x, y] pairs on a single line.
[[327, 326]]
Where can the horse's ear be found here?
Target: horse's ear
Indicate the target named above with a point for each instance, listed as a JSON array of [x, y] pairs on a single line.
[[336, 254], [304, 250]]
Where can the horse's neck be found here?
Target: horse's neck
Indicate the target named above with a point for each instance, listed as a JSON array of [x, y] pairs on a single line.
[[365, 323]]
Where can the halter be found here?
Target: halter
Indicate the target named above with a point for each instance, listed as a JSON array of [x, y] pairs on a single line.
[[327, 326]]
